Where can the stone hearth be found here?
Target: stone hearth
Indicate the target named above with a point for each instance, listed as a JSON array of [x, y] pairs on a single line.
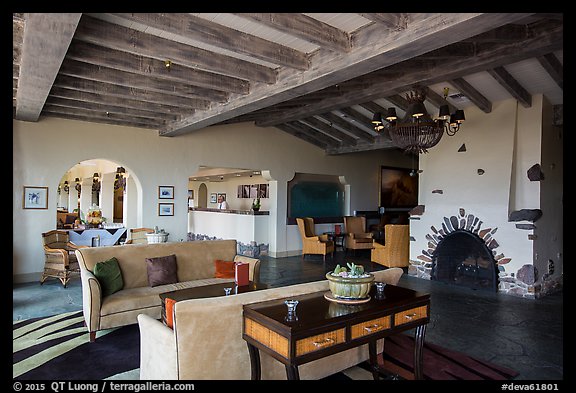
[[520, 283]]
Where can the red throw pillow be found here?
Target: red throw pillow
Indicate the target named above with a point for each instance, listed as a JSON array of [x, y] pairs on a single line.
[[169, 306], [224, 269]]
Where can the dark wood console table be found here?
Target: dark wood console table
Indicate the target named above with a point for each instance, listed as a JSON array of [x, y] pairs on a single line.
[[325, 327]]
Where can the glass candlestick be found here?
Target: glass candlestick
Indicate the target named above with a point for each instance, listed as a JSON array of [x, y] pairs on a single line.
[[227, 291], [291, 315], [380, 289]]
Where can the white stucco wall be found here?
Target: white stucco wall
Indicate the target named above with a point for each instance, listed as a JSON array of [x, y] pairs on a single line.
[[505, 143], [45, 150]]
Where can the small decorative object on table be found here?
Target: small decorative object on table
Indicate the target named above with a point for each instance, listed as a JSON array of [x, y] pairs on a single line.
[[159, 236], [349, 285], [94, 217], [291, 315], [256, 204]]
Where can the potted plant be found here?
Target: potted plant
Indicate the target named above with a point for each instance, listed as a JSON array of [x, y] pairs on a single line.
[[350, 283], [256, 204]]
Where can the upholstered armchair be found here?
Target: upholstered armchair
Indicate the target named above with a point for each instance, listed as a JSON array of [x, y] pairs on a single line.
[[138, 235], [312, 243], [59, 259], [396, 250], [357, 237]]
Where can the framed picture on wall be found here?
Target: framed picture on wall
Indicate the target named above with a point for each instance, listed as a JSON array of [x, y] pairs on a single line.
[[166, 192], [223, 195], [35, 197], [165, 209]]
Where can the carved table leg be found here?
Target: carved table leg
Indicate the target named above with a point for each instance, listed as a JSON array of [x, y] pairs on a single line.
[[254, 362], [418, 351]]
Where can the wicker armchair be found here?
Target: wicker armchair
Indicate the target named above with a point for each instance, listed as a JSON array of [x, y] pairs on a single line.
[[396, 251], [357, 238], [60, 261], [138, 235], [311, 243]]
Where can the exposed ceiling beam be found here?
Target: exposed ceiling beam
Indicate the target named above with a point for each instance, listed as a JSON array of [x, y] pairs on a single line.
[[147, 66], [551, 64], [124, 39], [128, 79], [236, 41], [421, 36], [111, 89], [393, 21], [331, 118], [541, 42], [309, 29], [473, 95], [512, 86], [46, 40]]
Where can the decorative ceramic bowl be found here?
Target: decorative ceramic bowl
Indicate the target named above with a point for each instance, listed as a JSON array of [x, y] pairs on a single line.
[[348, 287]]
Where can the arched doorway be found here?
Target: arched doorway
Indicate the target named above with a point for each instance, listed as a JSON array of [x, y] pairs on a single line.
[[104, 183]]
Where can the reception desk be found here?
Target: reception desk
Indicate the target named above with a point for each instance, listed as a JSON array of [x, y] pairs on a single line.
[[245, 226]]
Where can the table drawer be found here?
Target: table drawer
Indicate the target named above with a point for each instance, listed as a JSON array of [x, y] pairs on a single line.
[[370, 327], [410, 315], [320, 341]]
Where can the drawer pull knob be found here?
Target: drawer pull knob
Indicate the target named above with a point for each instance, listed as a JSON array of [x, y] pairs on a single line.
[[373, 328], [326, 341], [410, 316]]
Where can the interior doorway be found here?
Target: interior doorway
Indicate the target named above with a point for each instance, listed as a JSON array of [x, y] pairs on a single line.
[[202, 195]]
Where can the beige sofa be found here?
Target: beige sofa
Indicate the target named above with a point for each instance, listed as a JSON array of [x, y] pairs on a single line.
[[207, 343], [196, 267]]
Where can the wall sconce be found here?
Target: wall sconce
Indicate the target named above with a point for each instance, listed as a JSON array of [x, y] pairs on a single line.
[[78, 186], [120, 179], [66, 186], [95, 182]]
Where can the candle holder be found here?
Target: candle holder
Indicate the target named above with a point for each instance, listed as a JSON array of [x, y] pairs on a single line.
[[291, 315], [380, 286], [227, 291]]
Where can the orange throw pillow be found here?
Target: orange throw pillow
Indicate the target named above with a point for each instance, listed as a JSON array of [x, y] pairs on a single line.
[[224, 269], [169, 306]]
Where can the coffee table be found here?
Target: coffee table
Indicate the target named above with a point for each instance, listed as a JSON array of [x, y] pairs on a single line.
[[204, 291], [321, 328]]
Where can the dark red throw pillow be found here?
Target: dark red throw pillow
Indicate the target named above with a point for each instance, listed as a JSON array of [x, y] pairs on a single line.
[[224, 269], [162, 270]]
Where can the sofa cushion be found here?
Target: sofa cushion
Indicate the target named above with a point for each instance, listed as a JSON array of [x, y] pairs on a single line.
[[169, 305], [162, 270], [109, 276], [224, 269]]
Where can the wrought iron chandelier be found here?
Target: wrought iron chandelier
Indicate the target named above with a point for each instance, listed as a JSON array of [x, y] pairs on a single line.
[[417, 131]]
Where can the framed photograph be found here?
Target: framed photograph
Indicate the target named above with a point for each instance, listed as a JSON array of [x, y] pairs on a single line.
[[165, 209], [166, 192], [223, 195], [213, 197], [35, 197]]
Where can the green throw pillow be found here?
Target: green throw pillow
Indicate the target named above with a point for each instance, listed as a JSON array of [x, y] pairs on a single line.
[[109, 276]]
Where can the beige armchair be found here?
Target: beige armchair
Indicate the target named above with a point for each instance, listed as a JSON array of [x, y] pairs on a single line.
[[357, 237], [396, 250], [312, 243], [138, 235], [60, 261]]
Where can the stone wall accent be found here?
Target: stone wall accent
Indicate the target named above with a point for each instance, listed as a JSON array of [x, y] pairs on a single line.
[[520, 283], [249, 250]]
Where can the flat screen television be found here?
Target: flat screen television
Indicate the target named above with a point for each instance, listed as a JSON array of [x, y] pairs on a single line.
[[398, 190]]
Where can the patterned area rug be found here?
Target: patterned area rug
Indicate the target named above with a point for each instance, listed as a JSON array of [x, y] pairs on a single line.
[[58, 348]]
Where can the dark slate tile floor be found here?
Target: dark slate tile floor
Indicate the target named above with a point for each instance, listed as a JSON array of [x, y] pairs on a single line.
[[523, 334]]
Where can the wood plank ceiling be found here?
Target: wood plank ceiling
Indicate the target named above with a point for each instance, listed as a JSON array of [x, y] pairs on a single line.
[[319, 77]]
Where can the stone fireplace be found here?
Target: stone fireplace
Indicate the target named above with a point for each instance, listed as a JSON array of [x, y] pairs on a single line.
[[490, 204], [462, 253]]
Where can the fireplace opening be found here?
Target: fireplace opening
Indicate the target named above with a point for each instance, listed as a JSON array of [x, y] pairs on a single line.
[[462, 258]]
